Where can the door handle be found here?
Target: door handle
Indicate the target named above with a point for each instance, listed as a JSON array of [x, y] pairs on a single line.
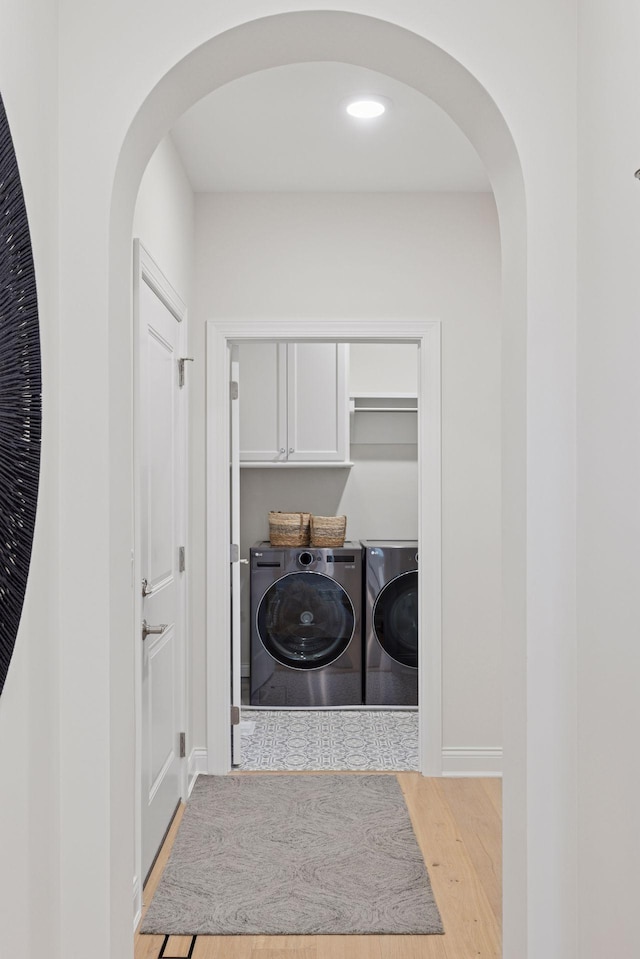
[[152, 630]]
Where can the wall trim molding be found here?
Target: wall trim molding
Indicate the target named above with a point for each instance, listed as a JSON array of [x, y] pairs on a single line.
[[221, 333], [198, 763], [137, 902], [472, 761]]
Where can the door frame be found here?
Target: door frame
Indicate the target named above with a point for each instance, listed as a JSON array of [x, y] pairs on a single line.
[[146, 270], [220, 334]]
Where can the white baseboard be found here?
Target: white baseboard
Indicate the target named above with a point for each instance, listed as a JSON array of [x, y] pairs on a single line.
[[472, 761], [456, 761], [137, 902], [198, 763]]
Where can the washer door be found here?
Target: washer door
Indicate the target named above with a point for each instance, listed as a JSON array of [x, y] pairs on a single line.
[[305, 620], [395, 618]]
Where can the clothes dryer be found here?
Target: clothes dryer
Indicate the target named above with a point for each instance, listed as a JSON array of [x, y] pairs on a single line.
[[390, 622], [306, 648]]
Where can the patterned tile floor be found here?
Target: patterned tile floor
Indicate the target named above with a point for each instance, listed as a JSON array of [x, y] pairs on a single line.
[[329, 739]]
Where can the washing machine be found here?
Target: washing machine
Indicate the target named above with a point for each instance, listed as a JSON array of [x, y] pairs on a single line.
[[390, 622], [306, 647]]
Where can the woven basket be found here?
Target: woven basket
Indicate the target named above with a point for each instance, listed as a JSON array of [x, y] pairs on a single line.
[[289, 529], [328, 531]]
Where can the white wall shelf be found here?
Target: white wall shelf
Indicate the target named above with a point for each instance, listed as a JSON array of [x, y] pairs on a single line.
[[383, 403], [384, 409], [289, 465]]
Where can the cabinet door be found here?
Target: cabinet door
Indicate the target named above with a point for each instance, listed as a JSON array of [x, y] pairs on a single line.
[[317, 402], [263, 402]]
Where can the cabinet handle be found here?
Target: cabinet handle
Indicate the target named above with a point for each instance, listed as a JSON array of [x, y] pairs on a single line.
[[282, 449], [291, 449]]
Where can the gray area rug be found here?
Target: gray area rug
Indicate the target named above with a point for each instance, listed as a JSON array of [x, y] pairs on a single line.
[[294, 855]]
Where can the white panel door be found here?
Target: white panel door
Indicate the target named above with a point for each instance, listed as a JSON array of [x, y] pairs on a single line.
[[263, 410], [317, 402], [162, 516]]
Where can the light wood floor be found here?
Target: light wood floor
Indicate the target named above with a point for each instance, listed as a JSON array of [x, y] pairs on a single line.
[[458, 825]]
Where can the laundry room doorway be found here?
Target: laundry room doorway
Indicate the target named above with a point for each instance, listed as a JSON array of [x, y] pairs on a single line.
[[296, 601], [328, 608]]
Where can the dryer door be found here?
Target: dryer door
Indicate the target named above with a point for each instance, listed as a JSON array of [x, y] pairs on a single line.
[[395, 618], [305, 620]]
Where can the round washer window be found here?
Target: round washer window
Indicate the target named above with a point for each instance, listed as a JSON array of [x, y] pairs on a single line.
[[395, 618], [305, 620]]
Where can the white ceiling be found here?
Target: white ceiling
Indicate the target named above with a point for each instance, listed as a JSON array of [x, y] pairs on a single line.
[[286, 129]]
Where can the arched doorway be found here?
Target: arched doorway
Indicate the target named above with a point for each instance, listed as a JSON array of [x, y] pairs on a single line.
[[412, 59]]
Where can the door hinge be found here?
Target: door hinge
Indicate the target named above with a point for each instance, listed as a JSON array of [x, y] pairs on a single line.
[[235, 715], [181, 362], [233, 390], [181, 560], [183, 745], [234, 553]]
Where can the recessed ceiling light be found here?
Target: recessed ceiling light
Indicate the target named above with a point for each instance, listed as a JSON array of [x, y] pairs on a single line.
[[367, 108]]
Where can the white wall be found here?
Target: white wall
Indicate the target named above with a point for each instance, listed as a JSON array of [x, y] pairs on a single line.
[[387, 255], [29, 839], [391, 367], [609, 479], [164, 217]]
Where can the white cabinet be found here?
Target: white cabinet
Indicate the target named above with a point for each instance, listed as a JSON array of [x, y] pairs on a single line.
[[317, 402], [263, 402], [294, 405]]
